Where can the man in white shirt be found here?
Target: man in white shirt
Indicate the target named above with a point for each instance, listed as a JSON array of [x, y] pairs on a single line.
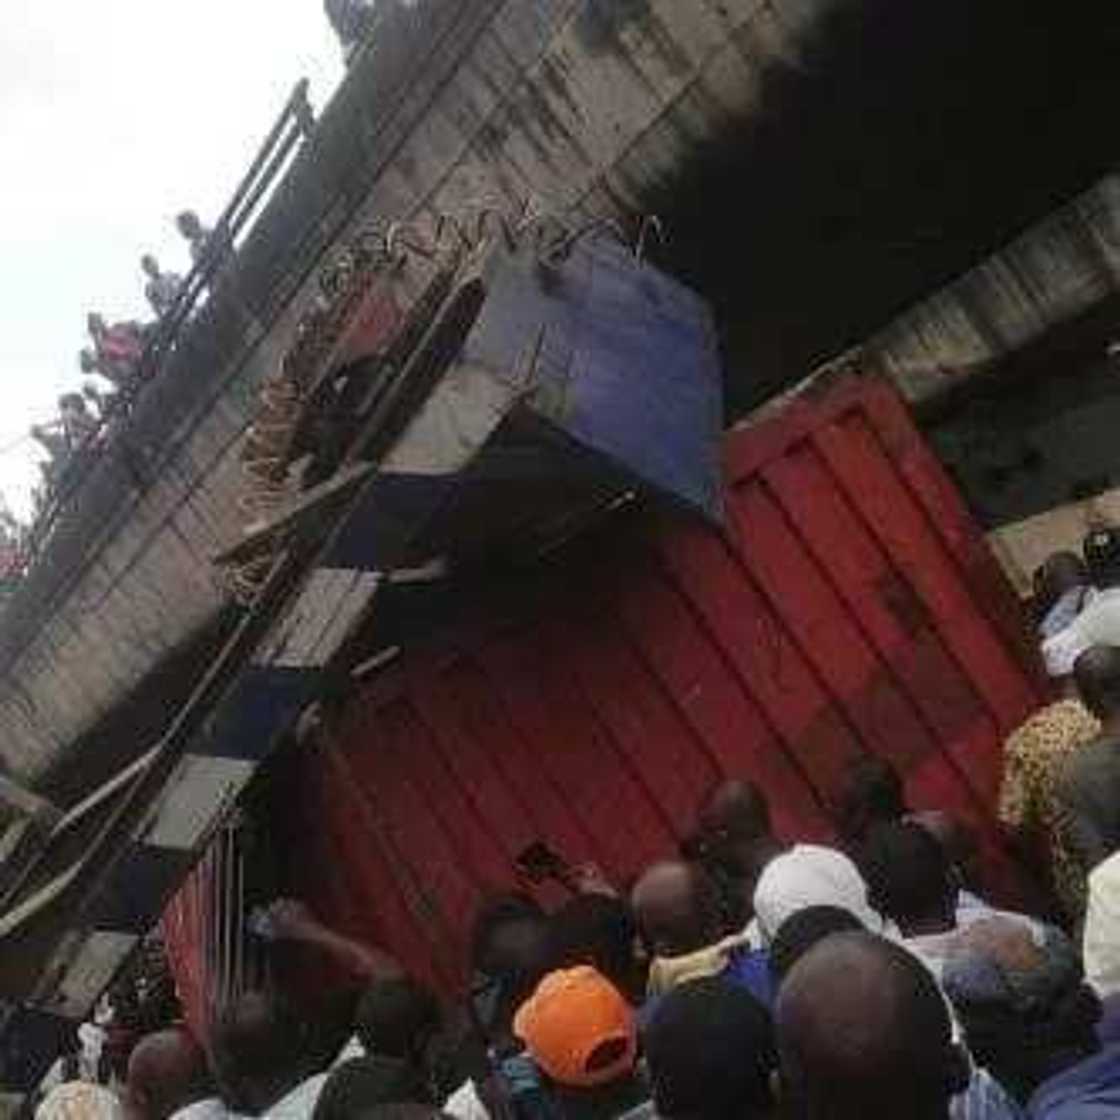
[[1098, 624]]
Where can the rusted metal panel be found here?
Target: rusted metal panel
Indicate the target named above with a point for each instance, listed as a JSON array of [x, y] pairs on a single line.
[[850, 607]]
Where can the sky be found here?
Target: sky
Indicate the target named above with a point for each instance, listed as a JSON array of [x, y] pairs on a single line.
[[114, 116]]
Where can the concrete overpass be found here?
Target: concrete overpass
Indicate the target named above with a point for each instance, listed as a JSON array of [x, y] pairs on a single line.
[[820, 166]]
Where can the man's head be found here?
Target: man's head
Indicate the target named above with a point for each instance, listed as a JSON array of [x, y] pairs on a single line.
[[189, 224], [71, 402], [1097, 673], [511, 949], [676, 908], [150, 266], [595, 930], [711, 1052], [800, 932], [873, 794], [908, 878], [1102, 556], [166, 1072], [397, 1018], [1059, 573], [1018, 993], [863, 1031], [957, 839], [734, 819], [357, 1089], [258, 1048], [96, 325]]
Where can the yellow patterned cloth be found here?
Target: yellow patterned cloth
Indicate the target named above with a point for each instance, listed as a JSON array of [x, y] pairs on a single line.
[[1032, 762]]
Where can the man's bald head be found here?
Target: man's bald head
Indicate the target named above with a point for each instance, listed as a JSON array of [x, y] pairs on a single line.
[[676, 908], [863, 1031], [166, 1072], [737, 809], [1097, 673]]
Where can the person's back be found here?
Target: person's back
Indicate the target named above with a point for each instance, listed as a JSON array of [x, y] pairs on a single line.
[[357, 1087], [1089, 784], [259, 1051], [1034, 756], [1087, 1091], [599, 931], [864, 1032]]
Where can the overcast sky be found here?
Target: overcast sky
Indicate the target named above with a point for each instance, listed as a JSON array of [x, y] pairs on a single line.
[[114, 116]]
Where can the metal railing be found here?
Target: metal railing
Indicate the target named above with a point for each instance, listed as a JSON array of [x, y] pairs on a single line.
[[294, 125]]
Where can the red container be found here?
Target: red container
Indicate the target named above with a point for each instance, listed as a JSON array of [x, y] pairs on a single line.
[[850, 606]]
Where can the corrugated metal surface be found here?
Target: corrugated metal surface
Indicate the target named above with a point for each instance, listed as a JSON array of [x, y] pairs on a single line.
[[850, 607]]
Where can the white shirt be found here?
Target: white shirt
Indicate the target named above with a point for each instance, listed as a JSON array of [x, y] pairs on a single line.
[[300, 1103], [1101, 944], [1097, 625], [466, 1104], [809, 875], [210, 1108]]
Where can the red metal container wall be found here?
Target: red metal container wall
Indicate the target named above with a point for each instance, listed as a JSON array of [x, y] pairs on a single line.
[[849, 608]]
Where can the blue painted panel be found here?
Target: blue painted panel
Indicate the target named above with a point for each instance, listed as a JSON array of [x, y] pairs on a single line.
[[264, 702]]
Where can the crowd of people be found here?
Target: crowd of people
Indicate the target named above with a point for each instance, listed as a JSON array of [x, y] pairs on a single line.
[[747, 977], [115, 363]]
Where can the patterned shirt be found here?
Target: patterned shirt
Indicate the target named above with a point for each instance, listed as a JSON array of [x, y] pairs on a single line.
[[1033, 758]]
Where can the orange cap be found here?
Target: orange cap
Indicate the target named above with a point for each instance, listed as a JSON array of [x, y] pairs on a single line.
[[579, 1029]]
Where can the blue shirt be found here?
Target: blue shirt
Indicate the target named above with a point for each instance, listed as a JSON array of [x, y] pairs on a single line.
[[1088, 1091], [984, 1099]]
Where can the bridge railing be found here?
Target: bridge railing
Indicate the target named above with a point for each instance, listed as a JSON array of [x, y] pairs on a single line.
[[294, 125]]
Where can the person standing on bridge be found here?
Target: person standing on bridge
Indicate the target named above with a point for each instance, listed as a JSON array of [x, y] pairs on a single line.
[[209, 247], [162, 288], [352, 21]]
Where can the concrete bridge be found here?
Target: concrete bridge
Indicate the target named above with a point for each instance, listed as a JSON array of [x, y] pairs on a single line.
[[823, 168]]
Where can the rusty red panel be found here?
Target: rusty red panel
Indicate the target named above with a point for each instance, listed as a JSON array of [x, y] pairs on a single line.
[[849, 607], [186, 937]]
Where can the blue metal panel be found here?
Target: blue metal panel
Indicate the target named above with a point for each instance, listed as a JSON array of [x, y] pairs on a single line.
[[624, 360]]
